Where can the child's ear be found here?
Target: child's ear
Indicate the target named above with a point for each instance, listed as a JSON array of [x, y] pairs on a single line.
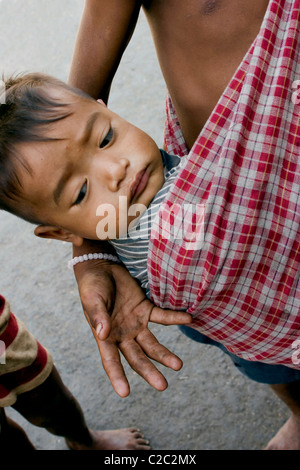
[[49, 231], [102, 102]]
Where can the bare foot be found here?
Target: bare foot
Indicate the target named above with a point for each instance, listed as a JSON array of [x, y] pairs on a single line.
[[118, 439], [288, 437]]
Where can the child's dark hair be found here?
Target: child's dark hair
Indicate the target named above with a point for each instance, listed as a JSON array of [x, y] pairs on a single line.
[[26, 109]]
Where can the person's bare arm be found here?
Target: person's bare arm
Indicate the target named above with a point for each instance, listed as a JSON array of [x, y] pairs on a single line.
[[104, 32]]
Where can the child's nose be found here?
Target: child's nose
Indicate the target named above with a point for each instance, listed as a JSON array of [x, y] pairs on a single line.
[[116, 173]]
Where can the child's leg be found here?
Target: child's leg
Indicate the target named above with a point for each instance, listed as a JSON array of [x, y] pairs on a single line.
[[52, 406], [12, 436], [288, 437]]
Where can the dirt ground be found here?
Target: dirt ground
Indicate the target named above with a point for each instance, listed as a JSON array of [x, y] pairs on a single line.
[[208, 404]]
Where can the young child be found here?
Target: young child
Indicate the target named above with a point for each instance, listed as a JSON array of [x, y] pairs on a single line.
[[102, 172]]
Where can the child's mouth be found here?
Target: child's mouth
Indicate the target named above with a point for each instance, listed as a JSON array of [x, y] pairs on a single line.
[[139, 184]]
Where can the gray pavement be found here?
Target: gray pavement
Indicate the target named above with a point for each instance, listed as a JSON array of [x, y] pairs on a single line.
[[208, 404]]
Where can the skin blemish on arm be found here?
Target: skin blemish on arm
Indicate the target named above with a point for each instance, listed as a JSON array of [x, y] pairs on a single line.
[[210, 6]]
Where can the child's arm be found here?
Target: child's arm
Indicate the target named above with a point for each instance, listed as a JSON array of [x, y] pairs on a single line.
[[111, 297]]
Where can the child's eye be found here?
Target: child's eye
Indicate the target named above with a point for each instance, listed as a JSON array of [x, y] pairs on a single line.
[[81, 194], [107, 138]]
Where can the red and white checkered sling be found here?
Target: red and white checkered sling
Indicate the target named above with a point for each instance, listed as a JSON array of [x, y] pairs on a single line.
[[241, 279]]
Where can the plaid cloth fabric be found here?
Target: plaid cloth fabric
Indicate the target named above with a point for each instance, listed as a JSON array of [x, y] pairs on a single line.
[[241, 282]]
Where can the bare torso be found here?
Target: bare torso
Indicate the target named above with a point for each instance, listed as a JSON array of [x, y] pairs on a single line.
[[200, 43]]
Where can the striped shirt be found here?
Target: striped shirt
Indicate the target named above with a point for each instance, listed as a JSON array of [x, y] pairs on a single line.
[[242, 286], [132, 249]]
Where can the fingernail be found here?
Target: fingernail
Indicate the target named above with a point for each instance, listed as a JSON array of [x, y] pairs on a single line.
[[99, 328]]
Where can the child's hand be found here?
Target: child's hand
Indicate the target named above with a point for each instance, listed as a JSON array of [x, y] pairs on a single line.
[[113, 299]]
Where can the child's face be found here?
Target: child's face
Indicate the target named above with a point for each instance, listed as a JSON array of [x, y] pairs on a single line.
[[99, 160]]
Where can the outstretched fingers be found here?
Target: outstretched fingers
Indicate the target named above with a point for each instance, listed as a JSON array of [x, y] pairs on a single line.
[[169, 317], [113, 367], [142, 365], [157, 352], [139, 353]]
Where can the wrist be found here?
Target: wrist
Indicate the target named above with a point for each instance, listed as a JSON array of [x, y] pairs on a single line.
[[93, 246], [92, 256]]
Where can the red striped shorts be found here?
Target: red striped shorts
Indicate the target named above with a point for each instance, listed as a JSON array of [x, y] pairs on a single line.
[[24, 362]]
